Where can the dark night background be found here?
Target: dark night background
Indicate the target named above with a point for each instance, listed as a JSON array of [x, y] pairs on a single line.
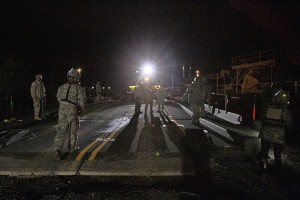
[[111, 39]]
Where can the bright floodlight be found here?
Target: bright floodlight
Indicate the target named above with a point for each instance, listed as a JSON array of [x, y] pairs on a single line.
[[148, 69]]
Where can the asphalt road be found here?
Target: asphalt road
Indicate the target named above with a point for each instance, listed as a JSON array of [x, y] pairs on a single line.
[[113, 132], [158, 156]]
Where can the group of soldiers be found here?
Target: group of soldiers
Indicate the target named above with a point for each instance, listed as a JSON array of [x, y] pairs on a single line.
[[144, 93], [196, 95], [71, 100], [276, 117]]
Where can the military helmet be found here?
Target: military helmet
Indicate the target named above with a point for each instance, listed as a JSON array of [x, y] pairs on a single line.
[[74, 73], [38, 77], [281, 98]]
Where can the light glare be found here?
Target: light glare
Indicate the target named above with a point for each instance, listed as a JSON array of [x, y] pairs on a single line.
[[148, 69]]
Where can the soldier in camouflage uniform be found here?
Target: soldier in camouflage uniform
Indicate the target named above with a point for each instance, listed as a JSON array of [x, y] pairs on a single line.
[[38, 94], [276, 119], [161, 95], [148, 98], [98, 91], [205, 94], [71, 103], [194, 95], [138, 94]]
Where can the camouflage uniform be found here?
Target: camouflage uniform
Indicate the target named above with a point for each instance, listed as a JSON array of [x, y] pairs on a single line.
[[276, 119], [98, 91], [194, 94], [38, 94], [70, 95], [138, 94], [205, 94], [161, 95], [148, 97]]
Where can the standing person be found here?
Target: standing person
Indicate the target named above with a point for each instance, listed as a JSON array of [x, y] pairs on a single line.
[[38, 94], [205, 94], [161, 95], [275, 123], [148, 97], [194, 95], [138, 94], [98, 91], [71, 103]]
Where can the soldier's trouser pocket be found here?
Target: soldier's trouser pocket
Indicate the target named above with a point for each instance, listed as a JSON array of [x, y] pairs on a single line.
[[273, 133]]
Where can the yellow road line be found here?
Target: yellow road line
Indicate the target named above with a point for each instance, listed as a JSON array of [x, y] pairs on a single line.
[[81, 154], [79, 157], [100, 147]]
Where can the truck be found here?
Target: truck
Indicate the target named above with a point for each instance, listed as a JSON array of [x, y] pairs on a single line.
[[236, 93]]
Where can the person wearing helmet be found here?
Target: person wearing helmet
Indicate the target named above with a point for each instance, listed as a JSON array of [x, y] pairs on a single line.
[[194, 94], [38, 94], [138, 94], [98, 91], [161, 95], [70, 96], [148, 97], [276, 119]]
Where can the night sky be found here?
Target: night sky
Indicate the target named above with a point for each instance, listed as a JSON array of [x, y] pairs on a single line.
[[111, 39]]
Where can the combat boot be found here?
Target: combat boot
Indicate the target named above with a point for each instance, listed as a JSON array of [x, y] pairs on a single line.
[[38, 119], [58, 151], [75, 148], [57, 154]]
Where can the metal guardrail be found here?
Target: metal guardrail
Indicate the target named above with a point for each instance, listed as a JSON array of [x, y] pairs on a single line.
[[254, 88], [254, 57]]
